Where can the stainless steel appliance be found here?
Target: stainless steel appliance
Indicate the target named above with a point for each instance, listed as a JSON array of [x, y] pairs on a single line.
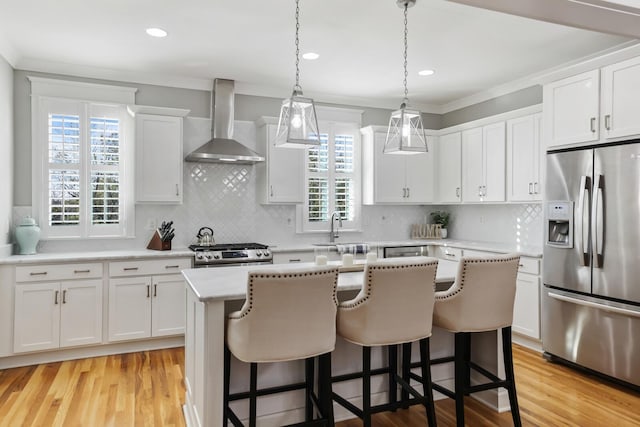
[[591, 293], [404, 251], [231, 254]]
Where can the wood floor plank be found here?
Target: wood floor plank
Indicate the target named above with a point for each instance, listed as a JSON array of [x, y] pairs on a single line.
[[147, 389]]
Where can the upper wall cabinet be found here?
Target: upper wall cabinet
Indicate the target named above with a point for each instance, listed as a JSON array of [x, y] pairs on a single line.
[[158, 154], [620, 100], [571, 109], [280, 178], [483, 164], [596, 106], [449, 166], [392, 178], [524, 159]]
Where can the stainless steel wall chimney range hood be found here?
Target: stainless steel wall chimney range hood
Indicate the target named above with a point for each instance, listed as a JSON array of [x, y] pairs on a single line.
[[221, 148]]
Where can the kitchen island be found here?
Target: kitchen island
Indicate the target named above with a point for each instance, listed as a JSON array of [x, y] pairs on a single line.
[[212, 293]]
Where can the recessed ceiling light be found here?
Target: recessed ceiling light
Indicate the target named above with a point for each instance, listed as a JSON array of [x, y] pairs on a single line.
[[156, 32], [310, 56], [426, 72]]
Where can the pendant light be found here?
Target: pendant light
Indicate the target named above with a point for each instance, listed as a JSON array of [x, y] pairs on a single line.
[[298, 124], [406, 133]]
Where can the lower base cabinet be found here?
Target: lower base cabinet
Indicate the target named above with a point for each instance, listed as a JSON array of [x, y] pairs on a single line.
[[526, 307]]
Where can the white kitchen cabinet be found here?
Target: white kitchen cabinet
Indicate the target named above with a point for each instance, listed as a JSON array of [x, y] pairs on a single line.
[[159, 155], [449, 166], [448, 253], [392, 178], [524, 159], [145, 301], [280, 178], [526, 306], [571, 109], [53, 315], [620, 100], [483, 163], [294, 256]]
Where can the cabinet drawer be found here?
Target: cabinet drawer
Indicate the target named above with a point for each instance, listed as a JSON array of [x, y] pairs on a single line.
[[289, 257], [452, 254], [50, 272], [529, 265], [479, 254], [148, 267]]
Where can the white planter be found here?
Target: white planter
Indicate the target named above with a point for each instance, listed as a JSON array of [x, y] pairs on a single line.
[[443, 233]]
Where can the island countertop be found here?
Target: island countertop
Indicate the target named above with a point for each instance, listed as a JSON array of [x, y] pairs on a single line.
[[230, 283]]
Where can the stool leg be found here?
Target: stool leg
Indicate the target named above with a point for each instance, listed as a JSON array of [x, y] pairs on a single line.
[[366, 386], [253, 389], [507, 355], [393, 371], [467, 360], [227, 381], [308, 375], [324, 387], [460, 375], [406, 369], [427, 391]]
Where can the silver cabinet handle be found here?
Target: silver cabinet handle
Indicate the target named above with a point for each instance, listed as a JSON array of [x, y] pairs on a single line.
[[81, 271], [408, 192], [448, 254], [404, 192], [130, 268], [38, 273], [55, 297], [64, 296], [607, 122], [148, 291], [171, 266], [458, 192], [597, 224], [535, 188], [295, 260], [592, 124], [177, 190], [271, 190], [479, 190], [531, 188], [155, 290], [585, 182]]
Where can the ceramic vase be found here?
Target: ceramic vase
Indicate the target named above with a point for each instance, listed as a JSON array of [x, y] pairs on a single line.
[[27, 236]]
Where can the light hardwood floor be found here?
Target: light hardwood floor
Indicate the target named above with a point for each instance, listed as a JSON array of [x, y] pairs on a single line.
[[146, 389]]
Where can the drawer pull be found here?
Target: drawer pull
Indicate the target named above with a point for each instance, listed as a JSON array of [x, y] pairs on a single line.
[[39, 273], [155, 290], [520, 265], [130, 268], [55, 298], [448, 254], [64, 296], [148, 291], [295, 260], [81, 271], [171, 266]]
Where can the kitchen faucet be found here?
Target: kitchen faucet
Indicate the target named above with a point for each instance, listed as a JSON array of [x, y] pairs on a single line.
[[333, 235]]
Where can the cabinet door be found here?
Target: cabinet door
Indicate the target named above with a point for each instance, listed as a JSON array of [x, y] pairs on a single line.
[[449, 168], [158, 158], [285, 168], [389, 175], [37, 317], [494, 162], [621, 103], [539, 156], [521, 158], [571, 109], [472, 163], [129, 308], [419, 177], [81, 313], [526, 307], [168, 305]]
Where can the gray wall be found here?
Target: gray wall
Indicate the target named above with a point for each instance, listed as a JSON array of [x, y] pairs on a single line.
[[6, 152], [512, 101]]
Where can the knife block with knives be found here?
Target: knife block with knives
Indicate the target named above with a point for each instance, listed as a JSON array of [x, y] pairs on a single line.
[[161, 239]]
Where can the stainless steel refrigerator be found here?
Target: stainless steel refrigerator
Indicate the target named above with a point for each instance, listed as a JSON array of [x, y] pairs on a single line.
[[591, 275]]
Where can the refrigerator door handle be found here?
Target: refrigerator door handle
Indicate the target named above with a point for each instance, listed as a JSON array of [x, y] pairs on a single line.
[[584, 194], [586, 303], [597, 225]]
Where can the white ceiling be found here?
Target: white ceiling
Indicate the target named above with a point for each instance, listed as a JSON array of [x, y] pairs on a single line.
[[251, 41]]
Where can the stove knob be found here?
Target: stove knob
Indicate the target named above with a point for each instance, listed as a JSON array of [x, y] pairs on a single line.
[[216, 256], [199, 256], [208, 256], [259, 253]]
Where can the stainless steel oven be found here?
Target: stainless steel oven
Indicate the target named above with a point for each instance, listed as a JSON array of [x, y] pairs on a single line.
[[222, 255]]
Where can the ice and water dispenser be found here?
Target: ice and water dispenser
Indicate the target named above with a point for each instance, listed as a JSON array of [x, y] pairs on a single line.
[[559, 224]]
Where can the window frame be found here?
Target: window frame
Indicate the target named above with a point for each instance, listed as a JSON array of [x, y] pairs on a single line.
[[332, 127], [84, 100]]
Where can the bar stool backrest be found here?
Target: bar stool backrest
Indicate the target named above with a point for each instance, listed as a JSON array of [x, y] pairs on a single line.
[[482, 296], [395, 305], [288, 315]]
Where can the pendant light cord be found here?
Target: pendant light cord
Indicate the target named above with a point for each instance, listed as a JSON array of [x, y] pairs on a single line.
[[406, 91], [297, 86]]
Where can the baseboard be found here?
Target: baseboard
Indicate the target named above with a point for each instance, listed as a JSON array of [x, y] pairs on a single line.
[[524, 341], [60, 355]]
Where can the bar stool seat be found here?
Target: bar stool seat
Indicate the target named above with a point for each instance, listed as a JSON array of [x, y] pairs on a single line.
[[287, 315], [481, 299], [394, 307]]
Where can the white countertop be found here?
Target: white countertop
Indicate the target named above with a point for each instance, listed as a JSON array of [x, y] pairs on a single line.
[[230, 283], [95, 256], [531, 251]]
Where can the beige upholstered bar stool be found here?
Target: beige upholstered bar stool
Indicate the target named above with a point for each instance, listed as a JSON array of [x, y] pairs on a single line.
[[288, 315], [481, 299], [395, 306]]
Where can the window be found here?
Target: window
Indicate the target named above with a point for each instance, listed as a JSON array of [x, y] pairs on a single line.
[[81, 187], [333, 178]]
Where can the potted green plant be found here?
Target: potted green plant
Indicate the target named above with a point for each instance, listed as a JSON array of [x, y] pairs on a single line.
[[442, 218]]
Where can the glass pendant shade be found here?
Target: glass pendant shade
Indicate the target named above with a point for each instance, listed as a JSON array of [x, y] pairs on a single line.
[[298, 124], [406, 133]]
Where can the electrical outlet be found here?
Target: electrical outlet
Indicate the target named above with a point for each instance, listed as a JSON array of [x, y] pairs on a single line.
[[152, 224]]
